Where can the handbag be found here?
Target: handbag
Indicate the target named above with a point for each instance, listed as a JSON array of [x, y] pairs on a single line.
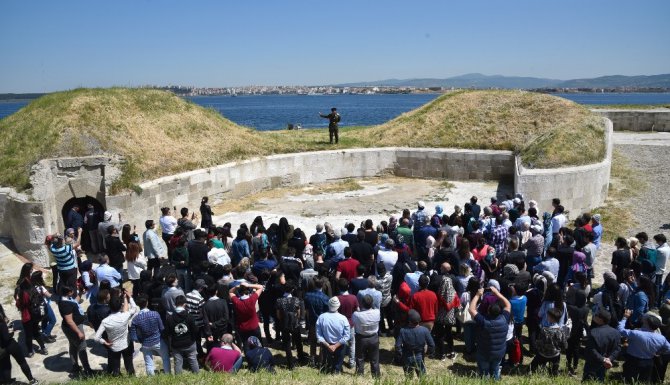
[[567, 325]]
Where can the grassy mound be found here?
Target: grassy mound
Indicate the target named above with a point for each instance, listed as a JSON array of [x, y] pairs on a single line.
[[161, 134], [547, 131], [157, 132]]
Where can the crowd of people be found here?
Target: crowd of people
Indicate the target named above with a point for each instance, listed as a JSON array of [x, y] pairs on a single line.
[[198, 296]]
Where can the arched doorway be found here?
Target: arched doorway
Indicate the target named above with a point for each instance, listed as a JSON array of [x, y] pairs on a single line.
[[83, 203]]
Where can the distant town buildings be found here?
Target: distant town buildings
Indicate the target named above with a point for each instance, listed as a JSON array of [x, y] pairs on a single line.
[[292, 90]]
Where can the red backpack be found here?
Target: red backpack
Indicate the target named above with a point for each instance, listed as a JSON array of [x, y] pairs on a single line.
[[515, 353]]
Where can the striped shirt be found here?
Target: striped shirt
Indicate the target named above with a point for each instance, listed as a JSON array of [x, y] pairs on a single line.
[[194, 305], [64, 257], [147, 327]]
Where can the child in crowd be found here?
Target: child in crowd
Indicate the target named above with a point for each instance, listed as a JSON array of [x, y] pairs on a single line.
[[518, 314], [550, 341]]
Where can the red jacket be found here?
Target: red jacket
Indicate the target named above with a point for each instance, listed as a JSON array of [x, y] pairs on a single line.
[[425, 303]]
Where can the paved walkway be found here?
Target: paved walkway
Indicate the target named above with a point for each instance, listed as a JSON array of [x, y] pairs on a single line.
[[642, 138]]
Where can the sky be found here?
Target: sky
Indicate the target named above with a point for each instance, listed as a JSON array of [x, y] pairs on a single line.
[[51, 45]]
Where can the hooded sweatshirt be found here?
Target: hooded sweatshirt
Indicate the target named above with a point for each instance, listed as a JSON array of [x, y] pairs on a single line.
[[181, 330]]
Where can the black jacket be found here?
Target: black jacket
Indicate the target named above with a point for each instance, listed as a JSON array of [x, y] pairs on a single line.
[[114, 249], [604, 342], [180, 330], [216, 317]]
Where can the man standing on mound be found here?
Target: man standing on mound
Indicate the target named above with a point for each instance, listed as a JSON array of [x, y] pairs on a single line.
[[333, 119]]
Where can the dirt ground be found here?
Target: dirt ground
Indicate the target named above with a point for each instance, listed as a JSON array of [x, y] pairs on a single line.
[[339, 203]]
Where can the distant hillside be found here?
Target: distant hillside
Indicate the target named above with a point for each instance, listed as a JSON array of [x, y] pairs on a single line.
[[473, 80], [616, 81], [476, 80]]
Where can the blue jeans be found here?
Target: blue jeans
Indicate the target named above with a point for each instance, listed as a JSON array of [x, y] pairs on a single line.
[[48, 326], [189, 354], [184, 278], [413, 363], [489, 367], [160, 349], [238, 364]]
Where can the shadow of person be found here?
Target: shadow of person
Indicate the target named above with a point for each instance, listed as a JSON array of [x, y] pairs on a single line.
[[98, 350], [58, 362]]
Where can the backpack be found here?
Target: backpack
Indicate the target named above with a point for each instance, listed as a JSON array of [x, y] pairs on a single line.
[[337, 118], [515, 353], [38, 308], [320, 245], [290, 319]]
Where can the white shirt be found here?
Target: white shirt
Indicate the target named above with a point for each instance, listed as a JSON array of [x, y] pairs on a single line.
[[218, 256], [116, 326], [366, 322], [388, 257], [135, 268], [557, 222], [168, 224]]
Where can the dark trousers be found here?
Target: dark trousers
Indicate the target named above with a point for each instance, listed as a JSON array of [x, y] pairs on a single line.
[[288, 336], [443, 333], [332, 361], [114, 361], [553, 362], [243, 336], [367, 347], [67, 278], [333, 132], [387, 315], [637, 370], [594, 372], [153, 266], [31, 330], [14, 350], [572, 354]]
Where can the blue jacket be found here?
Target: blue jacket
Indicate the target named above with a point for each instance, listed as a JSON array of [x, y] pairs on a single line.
[[492, 336]]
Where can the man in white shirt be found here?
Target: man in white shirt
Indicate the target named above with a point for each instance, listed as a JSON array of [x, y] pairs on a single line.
[[153, 247], [662, 256], [558, 221], [387, 255], [116, 326], [366, 325]]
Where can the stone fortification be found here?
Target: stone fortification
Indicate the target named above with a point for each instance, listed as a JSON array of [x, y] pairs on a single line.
[[638, 120], [27, 219]]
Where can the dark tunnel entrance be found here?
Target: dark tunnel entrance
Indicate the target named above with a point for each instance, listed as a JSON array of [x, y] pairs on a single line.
[[83, 203]]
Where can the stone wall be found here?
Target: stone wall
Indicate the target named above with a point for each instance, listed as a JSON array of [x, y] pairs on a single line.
[[638, 120], [580, 188], [242, 178]]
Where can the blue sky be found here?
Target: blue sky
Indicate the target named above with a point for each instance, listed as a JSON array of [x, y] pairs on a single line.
[[54, 45]]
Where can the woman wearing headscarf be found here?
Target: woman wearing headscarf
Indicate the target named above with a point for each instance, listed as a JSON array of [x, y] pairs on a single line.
[[205, 214], [285, 233], [258, 357], [446, 318]]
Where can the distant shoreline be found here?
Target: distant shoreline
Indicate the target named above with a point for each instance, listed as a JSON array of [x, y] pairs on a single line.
[[14, 97]]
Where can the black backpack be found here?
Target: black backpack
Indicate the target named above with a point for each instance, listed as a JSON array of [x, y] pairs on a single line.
[[337, 118], [38, 308]]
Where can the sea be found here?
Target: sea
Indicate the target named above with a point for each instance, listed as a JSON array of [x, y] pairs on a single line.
[[276, 112]]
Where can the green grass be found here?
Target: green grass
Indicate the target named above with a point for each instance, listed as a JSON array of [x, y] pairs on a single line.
[[159, 134], [438, 373], [547, 131]]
